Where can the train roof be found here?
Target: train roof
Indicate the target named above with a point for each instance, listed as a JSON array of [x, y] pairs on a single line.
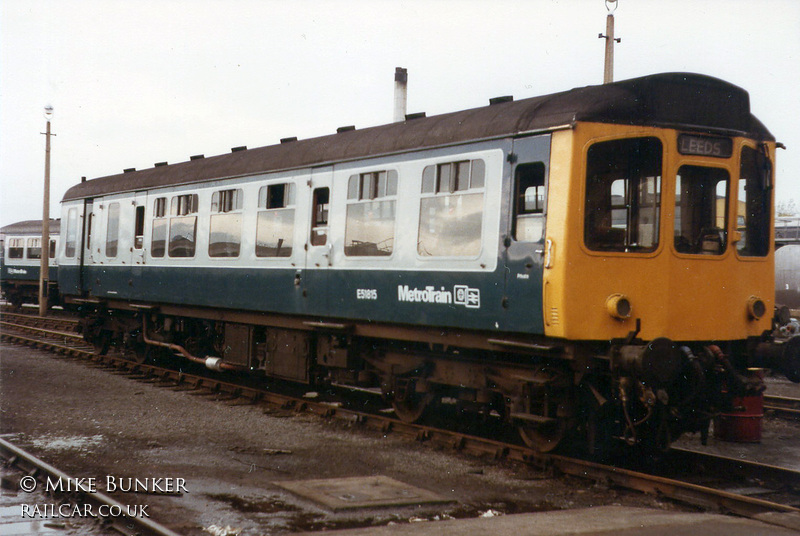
[[30, 227], [683, 100]]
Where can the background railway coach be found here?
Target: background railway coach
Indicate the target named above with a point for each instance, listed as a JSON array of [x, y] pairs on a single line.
[[596, 261], [20, 262]]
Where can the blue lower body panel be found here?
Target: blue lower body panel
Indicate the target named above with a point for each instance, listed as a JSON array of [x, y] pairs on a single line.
[[469, 300]]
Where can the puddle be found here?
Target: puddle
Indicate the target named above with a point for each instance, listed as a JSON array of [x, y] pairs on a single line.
[[62, 443], [268, 505], [308, 522]]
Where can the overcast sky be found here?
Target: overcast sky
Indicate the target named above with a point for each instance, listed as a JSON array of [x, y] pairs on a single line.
[[137, 82]]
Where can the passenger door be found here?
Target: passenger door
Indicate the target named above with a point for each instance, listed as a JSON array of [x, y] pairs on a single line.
[[139, 209], [86, 237], [524, 244], [319, 246]]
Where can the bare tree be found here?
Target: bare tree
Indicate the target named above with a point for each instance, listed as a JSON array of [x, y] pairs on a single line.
[[787, 208]]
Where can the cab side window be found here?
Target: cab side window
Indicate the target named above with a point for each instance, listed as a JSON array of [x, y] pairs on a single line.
[[529, 199]]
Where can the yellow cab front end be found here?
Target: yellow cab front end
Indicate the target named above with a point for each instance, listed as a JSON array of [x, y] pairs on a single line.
[[659, 234], [658, 262]]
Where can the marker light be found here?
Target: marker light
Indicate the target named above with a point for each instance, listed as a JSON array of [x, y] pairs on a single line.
[[618, 306], [756, 307]]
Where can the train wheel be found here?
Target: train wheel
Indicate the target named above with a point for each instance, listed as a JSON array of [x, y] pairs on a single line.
[[140, 353], [102, 342], [543, 437], [16, 302], [411, 407]]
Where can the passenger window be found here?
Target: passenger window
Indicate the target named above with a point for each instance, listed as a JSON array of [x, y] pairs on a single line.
[[53, 249], [158, 242], [138, 228], [529, 198], [225, 233], [753, 207], [623, 195], [34, 248], [16, 248], [112, 230], [451, 209], [369, 230], [701, 215], [72, 233], [319, 218], [183, 225], [88, 243], [275, 227]]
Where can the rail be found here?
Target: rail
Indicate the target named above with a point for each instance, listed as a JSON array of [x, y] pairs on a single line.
[[38, 469], [783, 406], [671, 488]]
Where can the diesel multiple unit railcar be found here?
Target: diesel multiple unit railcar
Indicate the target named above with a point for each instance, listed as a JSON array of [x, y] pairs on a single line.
[[597, 261], [20, 262]]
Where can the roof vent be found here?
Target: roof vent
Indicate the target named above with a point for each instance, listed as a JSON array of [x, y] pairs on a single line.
[[197, 157], [160, 164], [418, 115], [345, 129], [237, 149], [289, 140], [500, 100], [83, 179], [129, 170]]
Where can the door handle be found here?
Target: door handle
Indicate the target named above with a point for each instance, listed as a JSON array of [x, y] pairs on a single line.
[[548, 253], [329, 253]]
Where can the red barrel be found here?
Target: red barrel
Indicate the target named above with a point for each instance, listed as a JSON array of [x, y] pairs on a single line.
[[743, 424]]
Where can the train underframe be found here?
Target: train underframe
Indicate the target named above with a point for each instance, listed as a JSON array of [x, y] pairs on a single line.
[[17, 293], [596, 394]]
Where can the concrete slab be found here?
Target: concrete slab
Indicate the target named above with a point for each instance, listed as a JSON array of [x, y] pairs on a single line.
[[599, 521], [790, 520], [361, 492]]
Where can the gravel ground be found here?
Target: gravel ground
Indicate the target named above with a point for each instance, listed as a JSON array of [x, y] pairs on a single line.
[[93, 423]]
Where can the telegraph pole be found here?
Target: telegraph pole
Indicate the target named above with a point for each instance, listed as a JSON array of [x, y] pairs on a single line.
[[608, 71], [44, 270]]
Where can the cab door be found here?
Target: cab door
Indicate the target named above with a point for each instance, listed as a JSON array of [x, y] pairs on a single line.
[[525, 248]]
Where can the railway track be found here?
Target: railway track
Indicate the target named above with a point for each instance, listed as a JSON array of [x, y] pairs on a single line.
[[782, 406], [766, 493], [63, 509]]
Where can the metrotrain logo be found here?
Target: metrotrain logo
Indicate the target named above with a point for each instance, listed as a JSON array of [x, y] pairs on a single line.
[[460, 295]]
